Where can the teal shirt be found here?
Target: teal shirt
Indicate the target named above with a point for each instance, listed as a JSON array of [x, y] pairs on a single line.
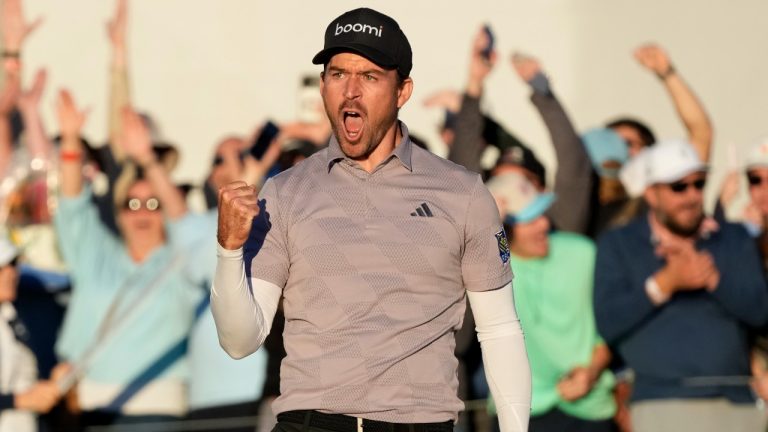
[[215, 377], [553, 299], [99, 266]]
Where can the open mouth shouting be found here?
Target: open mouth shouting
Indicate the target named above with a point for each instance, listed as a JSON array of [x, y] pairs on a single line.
[[353, 123]]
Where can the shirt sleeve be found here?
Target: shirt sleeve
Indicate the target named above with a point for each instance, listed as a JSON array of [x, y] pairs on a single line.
[[84, 241], [485, 261], [266, 251]]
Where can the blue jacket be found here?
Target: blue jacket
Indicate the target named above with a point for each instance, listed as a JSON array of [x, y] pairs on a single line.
[[679, 348]]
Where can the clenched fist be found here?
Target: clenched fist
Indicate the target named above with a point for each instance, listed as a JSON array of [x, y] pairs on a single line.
[[238, 205], [40, 398]]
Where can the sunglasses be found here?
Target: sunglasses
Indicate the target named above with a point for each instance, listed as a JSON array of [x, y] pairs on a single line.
[[755, 180], [135, 204], [681, 186], [218, 160]]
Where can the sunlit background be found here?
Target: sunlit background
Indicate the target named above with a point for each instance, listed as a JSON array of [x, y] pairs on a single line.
[[205, 69]]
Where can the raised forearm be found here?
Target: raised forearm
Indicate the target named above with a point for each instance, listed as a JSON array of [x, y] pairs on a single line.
[[119, 97], [71, 159], [37, 140], [691, 112], [171, 198], [467, 147]]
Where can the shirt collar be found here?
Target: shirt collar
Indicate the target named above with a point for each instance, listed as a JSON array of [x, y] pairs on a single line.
[[402, 151]]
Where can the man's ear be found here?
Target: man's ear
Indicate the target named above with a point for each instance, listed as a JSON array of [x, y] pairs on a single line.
[[404, 92]]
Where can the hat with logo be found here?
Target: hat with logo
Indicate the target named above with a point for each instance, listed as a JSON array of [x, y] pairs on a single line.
[[670, 160], [758, 155], [8, 251], [522, 202], [371, 34], [603, 146]]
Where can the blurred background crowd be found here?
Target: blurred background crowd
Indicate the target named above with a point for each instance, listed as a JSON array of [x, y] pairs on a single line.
[[628, 291]]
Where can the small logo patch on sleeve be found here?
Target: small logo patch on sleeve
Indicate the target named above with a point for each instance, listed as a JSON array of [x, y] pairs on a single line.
[[501, 239]]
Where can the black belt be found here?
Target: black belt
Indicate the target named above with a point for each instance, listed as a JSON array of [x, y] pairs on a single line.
[[344, 423]]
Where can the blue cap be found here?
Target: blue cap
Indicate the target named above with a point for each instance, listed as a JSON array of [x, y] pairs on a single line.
[[605, 145]]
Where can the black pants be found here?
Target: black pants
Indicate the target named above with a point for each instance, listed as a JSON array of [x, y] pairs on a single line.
[[558, 421]]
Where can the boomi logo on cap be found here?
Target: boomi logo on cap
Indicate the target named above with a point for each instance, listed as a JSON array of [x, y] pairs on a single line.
[[358, 28]]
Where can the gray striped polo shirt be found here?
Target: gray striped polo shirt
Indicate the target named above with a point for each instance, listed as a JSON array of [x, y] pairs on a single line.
[[374, 268]]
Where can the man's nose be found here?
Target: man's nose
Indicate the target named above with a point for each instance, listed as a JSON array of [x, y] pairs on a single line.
[[353, 89]]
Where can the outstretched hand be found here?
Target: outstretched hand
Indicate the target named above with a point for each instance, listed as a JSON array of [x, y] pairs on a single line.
[[526, 66], [71, 119], [15, 26], [116, 27], [135, 138], [447, 99], [479, 65], [653, 58]]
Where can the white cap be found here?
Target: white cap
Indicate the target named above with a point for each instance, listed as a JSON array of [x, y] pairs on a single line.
[[670, 160], [634, 174], [523, 202], [758, 154], [7, 251]]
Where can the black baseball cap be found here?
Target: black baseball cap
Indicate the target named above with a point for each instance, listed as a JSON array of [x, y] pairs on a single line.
[[371, 34]]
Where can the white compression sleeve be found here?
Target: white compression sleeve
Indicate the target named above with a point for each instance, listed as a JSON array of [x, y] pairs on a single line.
[[504, 356], [243, 313]]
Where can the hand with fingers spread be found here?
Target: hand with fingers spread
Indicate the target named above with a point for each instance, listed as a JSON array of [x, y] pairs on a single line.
[[15, 27], [479, 65], [116, 27], [238, 206], [29, 100], [655, 59], [116, 30], [71, 119], [316, 133], [447, 99], [135, 138]]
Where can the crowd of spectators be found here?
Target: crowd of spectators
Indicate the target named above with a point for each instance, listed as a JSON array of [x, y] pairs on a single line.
[[641, 312]]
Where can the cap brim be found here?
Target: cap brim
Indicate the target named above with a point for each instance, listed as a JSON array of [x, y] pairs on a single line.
[[679, 175], [536, 208], [366, 51]]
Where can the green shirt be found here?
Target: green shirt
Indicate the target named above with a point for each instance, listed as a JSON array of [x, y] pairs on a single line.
[[553, 298]]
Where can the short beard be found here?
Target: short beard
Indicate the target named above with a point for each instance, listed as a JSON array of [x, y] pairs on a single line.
[[678, 229]]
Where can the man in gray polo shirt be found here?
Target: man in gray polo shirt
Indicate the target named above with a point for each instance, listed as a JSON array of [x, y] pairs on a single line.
[[373, 243]]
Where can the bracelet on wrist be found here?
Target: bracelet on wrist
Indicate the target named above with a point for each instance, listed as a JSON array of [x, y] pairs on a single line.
[[71, 156], [11, 54], [666, 74]]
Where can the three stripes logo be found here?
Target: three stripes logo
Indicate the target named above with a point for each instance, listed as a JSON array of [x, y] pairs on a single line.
[[423, 211]]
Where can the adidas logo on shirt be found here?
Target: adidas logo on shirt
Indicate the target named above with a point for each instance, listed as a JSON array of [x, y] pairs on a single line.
[[423, 210]]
